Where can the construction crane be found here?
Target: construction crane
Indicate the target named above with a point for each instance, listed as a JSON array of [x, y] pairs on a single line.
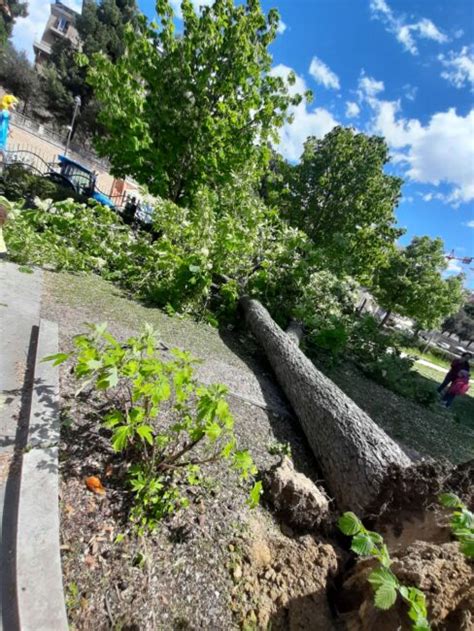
[[465, 260]]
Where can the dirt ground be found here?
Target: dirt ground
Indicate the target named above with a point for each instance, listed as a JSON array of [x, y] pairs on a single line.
[[217, 565]]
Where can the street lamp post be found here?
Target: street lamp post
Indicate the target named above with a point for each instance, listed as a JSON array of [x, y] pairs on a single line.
[[77, 105]]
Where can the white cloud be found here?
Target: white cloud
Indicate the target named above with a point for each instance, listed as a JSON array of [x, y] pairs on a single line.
[[322, 74], [406, 33], [306, 122], [459, 67], [369, 87], [281, 27], [27, 29], [410, 91], [441, 151], [352, 109], [470, 224]]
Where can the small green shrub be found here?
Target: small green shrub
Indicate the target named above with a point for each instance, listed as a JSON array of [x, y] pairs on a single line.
[[280, 449], [462, 522], [164, 424], [384, 582], [19, 183]]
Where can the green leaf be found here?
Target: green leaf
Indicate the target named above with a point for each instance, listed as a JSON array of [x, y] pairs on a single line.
[[146, 432], [450, 500], [213, 431], [112, 419], [120, 437], [362, 544], [349, 524], [108, 379], [255, 493], [382, 576], [93, 364], [58, 358], [467, 548], [228, 448], [385, 596], [242, 460]]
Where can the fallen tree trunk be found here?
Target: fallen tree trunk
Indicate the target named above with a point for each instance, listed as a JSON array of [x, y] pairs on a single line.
[[354, 452]]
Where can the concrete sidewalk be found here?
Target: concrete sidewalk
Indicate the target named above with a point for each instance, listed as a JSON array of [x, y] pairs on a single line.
[[20, 297]]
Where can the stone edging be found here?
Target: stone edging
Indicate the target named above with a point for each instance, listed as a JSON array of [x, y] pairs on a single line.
[[40, 594]]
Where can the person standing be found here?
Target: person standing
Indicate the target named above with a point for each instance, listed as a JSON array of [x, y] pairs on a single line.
[[456, 366], [459, 386]]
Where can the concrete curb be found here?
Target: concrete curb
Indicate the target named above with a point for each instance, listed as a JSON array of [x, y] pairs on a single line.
[[40, 594]]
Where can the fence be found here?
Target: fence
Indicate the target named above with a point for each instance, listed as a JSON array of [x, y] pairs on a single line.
[[34, 127]]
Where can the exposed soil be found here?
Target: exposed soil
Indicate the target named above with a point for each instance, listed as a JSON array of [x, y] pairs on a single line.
[[441, 571], [218, 565], [281, 582]]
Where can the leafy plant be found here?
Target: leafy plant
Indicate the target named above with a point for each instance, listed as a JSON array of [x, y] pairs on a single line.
[[280, 449], [180, 112], [17, 182], [462, 522], [163, 423], [384, 582]]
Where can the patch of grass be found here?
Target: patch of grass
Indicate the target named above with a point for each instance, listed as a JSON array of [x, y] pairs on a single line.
[[462, 409], [429, 357], [102, 301], [436, 432]]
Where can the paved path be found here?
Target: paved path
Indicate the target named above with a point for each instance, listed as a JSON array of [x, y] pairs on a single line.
[[20, 297]]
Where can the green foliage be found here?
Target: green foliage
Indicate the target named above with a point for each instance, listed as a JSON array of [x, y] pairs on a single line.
[[18, 77], [461, 323], [411, 283], [384, 582], [182, 112], [341, 197], [72, 236], [462, 522], [17, 182], [9, 11], [163, 423], [100, 26], [280, 449]]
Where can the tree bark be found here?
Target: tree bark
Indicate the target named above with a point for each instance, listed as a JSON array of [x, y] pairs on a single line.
[[354, 453]]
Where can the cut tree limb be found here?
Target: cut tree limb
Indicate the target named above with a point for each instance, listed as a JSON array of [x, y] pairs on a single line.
[[353, 451]]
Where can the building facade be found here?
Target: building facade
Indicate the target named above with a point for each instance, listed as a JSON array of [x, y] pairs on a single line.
[[61, 24]]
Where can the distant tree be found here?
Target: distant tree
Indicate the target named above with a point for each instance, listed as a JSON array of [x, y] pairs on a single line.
[[461, 324], [18, 76], [101, 27], [191, 110], [9, 11], [341, 197], [411, 284]]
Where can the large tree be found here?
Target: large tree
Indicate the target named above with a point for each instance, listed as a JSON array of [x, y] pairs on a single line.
[[101, 27], [461, 323], [18, 76], [340, 195], [412, 284], [182, 111], [9, 11]]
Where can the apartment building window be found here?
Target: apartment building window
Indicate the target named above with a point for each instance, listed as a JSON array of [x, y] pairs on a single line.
[[62, 25]]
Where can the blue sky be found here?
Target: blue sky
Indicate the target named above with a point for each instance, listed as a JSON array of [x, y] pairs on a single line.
[[403, 69], [406, 68]]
